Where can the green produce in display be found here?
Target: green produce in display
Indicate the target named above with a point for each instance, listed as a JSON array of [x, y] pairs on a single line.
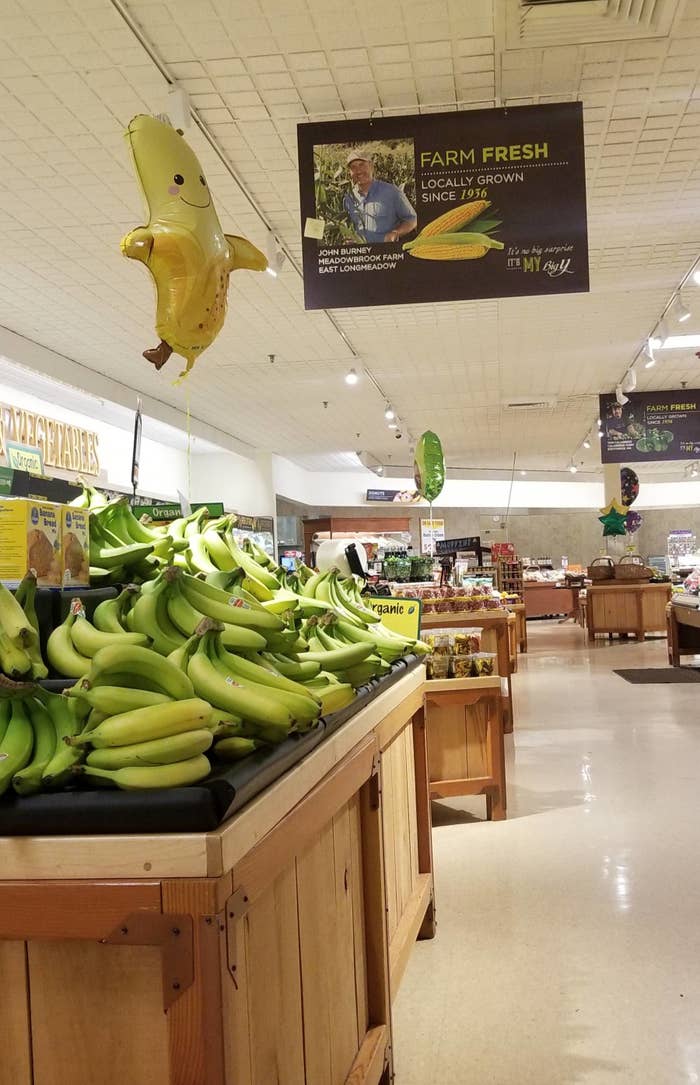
[[429, 466]]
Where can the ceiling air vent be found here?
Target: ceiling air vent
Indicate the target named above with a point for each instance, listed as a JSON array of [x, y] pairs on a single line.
[[575, 22]]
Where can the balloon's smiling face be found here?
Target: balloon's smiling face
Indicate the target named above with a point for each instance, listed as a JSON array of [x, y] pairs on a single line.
[[172, 179]]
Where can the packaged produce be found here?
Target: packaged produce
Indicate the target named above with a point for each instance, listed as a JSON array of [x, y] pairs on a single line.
[[467, 643], [482, 664], [460, 666], [440, 642], [438, 666], [75, 547], [30, 538]]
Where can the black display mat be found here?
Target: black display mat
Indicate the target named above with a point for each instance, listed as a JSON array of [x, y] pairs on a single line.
[[196, 809]]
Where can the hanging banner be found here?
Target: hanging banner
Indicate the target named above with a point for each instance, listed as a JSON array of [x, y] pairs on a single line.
[[651, 426], [431, 531], [400, 497], [444, 206]]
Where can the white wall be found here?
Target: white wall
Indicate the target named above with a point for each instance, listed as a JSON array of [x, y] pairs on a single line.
[[244, 485], [163, 469]]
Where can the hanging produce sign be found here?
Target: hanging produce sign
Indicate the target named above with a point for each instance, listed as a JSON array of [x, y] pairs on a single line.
[[401, 497], [651, 426], [444, 206]]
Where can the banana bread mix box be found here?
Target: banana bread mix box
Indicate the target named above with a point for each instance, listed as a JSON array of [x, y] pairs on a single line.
[[30, 538], [75, 548]]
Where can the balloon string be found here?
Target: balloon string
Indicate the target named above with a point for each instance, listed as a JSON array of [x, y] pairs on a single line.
[[189, 444]]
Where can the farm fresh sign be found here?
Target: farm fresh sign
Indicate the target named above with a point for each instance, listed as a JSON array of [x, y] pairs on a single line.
[[67, 447], [444, 206], [651, 426]]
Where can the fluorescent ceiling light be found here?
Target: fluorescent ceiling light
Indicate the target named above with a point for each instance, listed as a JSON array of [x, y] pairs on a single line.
[[677, 342]]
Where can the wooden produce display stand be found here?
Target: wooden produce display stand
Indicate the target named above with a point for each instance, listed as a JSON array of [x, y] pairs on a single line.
[[520, 625], [494, 624], [465, 740], [683, 630], [254, 954], [543, 599], [512, 642], [620, 607]]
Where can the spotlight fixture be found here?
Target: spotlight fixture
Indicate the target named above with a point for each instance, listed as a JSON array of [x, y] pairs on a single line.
[[682, 312], [620, 396], [600, 435], [523, 473], [599, 423], [274, 254], [179, 107], [587, 443], [694, 471], [696, 276], [573, 468], [379, 469], [351, 377], [392, 425], [389, 412], [629, 381], [649, 354]]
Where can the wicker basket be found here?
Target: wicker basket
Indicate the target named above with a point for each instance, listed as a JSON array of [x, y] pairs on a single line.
[[601, 569], [631, 568]]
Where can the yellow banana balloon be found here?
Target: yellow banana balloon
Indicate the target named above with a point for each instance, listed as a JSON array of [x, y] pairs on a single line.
[[183, 246]]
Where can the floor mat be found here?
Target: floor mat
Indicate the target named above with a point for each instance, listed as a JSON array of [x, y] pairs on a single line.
[[648, 675]]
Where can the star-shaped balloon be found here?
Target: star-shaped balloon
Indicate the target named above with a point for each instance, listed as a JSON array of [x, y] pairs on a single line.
[[613, 518]]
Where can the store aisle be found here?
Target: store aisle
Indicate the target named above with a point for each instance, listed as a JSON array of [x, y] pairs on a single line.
[[568, 936]]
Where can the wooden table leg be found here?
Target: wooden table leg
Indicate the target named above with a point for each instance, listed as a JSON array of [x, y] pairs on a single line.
[[423, 815]]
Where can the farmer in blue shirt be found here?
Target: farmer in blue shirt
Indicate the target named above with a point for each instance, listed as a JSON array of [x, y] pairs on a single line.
[[379, 211]]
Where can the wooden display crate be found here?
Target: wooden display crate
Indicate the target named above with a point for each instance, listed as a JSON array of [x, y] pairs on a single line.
[[254, 954], [636, 609], [494, 638], [465, 740]]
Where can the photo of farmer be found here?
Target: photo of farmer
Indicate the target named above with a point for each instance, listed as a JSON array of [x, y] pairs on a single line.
[[364, 193], [615, 423]]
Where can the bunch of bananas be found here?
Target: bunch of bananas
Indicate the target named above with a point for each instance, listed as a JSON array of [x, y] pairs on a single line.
[[20, 653], [33, 753]]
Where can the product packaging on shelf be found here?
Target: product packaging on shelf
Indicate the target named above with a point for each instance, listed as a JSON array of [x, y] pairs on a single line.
[[30, 538], [75, 547]]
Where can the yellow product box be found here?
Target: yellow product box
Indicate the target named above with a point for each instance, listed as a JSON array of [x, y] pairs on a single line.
[[75, 535], [30, 538]]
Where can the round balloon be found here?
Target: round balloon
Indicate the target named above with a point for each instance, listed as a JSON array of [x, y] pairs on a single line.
[[429, 466], [183, 246], [629, 486]]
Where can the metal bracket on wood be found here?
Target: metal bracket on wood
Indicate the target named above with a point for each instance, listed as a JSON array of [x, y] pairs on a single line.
[[236, 907], [173, 935], [374, 783]]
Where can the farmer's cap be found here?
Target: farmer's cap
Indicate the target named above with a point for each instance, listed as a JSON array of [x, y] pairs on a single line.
[[358, 155]]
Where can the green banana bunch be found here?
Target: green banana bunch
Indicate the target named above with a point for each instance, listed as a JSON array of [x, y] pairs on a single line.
[[235, 748], [107, 551], [113, 700], [298, 670], [90, 498], [186, 618], [272, 718], [66, 716], [110, 614], [61, 652], [133, 666], [146, 777], [149, 615], [26, 597], [223, 607], [28, 780], [156, 751], [298, 700], [17, 744]]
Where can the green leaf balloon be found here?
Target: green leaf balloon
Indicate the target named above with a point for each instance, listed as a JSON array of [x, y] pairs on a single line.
[[429, 466]]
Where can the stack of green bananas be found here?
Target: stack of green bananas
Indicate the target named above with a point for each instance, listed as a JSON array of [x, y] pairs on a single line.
[[20, 654], [73, 644], [33, 754], [122, 548]]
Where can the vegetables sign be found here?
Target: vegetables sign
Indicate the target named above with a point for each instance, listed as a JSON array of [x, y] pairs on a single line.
[[651, 426]]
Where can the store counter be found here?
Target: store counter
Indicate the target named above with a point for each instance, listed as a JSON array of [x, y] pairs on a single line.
[[193, 958], [627, 608]]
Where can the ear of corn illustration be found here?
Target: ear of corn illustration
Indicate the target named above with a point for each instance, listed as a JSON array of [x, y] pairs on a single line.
[[445, 239], [455, 218]]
